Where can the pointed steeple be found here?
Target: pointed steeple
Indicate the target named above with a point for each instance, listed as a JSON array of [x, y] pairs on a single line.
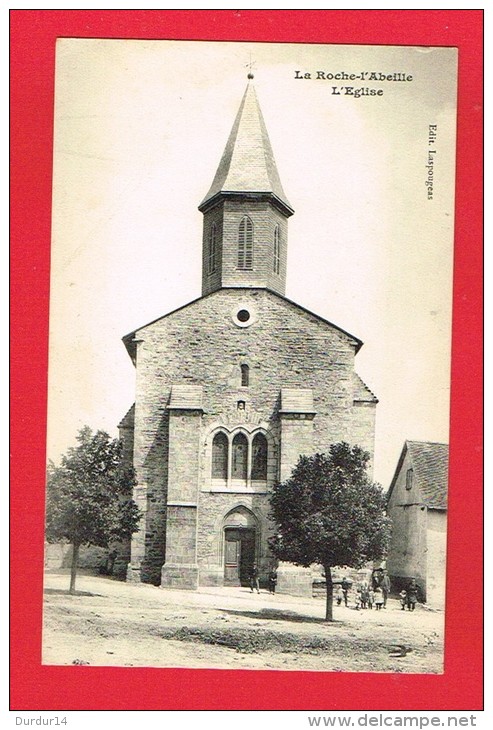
[[246, 210], [247, 164]]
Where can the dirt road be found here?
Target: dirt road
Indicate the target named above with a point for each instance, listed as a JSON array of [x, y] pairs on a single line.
[[109, 623]]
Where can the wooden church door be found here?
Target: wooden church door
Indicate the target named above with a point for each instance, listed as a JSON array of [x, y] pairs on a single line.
[[239, 556], [247, 555], [232, 548]]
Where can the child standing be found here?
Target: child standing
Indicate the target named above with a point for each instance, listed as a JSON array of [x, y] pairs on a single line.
[[378, 598], [371, 597], [339, 596], [412, 595], [403, 599], [357, 599]]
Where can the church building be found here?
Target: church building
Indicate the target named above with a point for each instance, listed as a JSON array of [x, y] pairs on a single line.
[[233, 387]]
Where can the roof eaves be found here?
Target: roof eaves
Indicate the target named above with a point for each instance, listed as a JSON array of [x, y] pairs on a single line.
[[357, 341], [397, 471], [210, 202]]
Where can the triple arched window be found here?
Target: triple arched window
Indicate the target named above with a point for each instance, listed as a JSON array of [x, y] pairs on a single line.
[[211, 249], [245, 244], [239, 458]]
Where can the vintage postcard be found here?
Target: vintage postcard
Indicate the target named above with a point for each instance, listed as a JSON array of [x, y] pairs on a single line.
[[264, 431], [252, 254]]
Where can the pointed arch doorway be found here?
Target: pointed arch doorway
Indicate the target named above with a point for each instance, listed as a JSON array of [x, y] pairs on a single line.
[[241, 535]]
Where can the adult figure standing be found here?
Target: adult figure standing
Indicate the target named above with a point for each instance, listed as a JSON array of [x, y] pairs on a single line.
[[254, 582], [345, 585], [376, 578], [385, 586]]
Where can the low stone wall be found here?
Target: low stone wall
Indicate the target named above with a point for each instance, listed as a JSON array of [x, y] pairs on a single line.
[[58, 556], [294, 581]]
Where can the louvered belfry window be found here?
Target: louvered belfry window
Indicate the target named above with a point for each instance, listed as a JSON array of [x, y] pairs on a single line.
[[277, 252], [212, 249], [245, 244]]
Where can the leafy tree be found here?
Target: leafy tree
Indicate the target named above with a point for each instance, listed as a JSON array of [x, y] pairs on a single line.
[[89, 496], [330, 512]]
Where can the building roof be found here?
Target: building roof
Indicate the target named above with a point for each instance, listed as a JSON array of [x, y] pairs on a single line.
[[297, 400], [128, 419], [186, 397], [361, 392], [429, 462], [247, 164]]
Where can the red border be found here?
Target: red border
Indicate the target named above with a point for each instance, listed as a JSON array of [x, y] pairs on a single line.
[[36, 687]]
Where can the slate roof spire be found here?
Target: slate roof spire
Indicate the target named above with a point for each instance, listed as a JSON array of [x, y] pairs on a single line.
[[247, 164]]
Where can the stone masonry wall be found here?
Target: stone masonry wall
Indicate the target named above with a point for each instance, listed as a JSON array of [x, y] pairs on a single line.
[[436, 556], [151, 470], [296, 441], [123, 547], [363, 428], [407, 550], [183, 456]]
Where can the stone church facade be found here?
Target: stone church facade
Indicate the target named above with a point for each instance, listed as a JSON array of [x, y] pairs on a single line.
[[233, 387]]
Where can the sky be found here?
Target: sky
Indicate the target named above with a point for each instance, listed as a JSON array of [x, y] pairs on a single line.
[[140, 127]]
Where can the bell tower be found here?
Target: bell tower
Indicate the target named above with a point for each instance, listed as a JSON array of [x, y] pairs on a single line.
[[246, 210]]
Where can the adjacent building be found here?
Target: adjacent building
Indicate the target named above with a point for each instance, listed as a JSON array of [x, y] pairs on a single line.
[[417, 506]]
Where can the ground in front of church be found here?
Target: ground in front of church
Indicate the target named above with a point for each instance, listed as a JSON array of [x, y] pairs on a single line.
[[110, 623]]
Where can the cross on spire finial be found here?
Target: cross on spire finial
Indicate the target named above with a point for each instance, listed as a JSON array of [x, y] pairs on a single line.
[[250, 65]]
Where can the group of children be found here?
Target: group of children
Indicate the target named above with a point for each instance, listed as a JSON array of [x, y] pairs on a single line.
[[365, 596]]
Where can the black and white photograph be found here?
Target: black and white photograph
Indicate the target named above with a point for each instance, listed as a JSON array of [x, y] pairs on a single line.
[[249, 356]]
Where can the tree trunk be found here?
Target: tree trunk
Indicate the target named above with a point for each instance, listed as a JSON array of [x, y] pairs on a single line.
[[73, 567], [329, 593]]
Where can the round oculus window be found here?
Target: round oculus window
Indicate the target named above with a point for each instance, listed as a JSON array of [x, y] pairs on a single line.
[[243, 315]]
